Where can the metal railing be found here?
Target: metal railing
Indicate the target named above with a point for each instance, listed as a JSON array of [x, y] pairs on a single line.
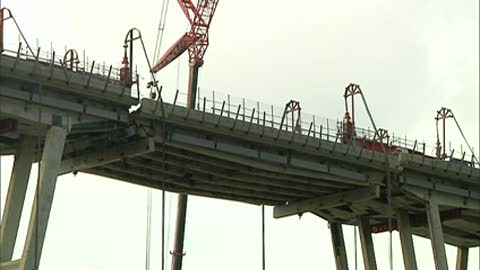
[[255, 112], [83, 66]]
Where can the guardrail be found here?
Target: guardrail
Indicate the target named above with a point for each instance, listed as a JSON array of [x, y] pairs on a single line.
[[71, 62], [317, 127]]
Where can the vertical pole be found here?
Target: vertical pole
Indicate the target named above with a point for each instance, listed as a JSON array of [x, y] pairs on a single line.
[[177, 254], [406, 240], [263, 237], [42, 204], [353, 111], [367, 243], [338, 246], [444, 146], [149, 229], [17, 189], [163, 229], [243, 107], [273, 118], [462, 258], [130, 75], [1, 27], [192, 85], [355, 246], [258, 113], [228, 111], [436, 236]]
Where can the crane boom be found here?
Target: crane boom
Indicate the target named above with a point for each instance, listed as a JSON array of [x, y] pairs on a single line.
[[196, 40]]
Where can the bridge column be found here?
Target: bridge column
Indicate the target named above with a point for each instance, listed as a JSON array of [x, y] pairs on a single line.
[[42, 204], [462, 258], [338, 246], [17, 189], [406, 240], [366, 242], [436, 236]]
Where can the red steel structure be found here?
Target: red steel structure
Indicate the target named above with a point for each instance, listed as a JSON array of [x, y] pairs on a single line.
[[196, 40]]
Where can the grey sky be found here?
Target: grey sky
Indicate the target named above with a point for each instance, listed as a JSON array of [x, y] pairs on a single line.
[[410, 58]]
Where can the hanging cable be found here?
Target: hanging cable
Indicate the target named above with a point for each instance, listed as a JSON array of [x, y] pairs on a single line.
[[355, 245], [263, 237], [37, 189], [178, 73], [149, 229], [163, 229], [389, 180], [161, 28], [465, 139], [10, 16], [168, 222]]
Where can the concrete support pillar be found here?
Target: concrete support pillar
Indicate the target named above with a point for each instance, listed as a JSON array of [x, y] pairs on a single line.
[[406, 240], [42, 204], [367, 243], [436, 236], [462, 258], [338, 246], [17, 189]]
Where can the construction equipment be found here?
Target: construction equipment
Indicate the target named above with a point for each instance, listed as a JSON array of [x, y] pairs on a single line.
[[379, 143], [443, 114], [195, 41]]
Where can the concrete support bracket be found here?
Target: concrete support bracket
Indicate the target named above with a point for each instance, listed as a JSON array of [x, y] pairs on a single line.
[[327, 201]]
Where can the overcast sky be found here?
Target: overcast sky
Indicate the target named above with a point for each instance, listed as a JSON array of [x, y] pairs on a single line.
[[410, 58]]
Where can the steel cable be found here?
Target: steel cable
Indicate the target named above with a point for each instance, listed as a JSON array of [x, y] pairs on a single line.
[[465, 139]]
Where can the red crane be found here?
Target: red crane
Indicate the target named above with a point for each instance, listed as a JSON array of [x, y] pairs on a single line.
[[195, 41]]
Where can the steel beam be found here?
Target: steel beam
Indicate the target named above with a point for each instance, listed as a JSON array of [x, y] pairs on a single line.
[[436, 236], [17, 190], [327, 201], [42, 204], [446, 199], [268, 166], [105, 156], [366, 242], [462, 258], [338, 246], [406, 240]]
